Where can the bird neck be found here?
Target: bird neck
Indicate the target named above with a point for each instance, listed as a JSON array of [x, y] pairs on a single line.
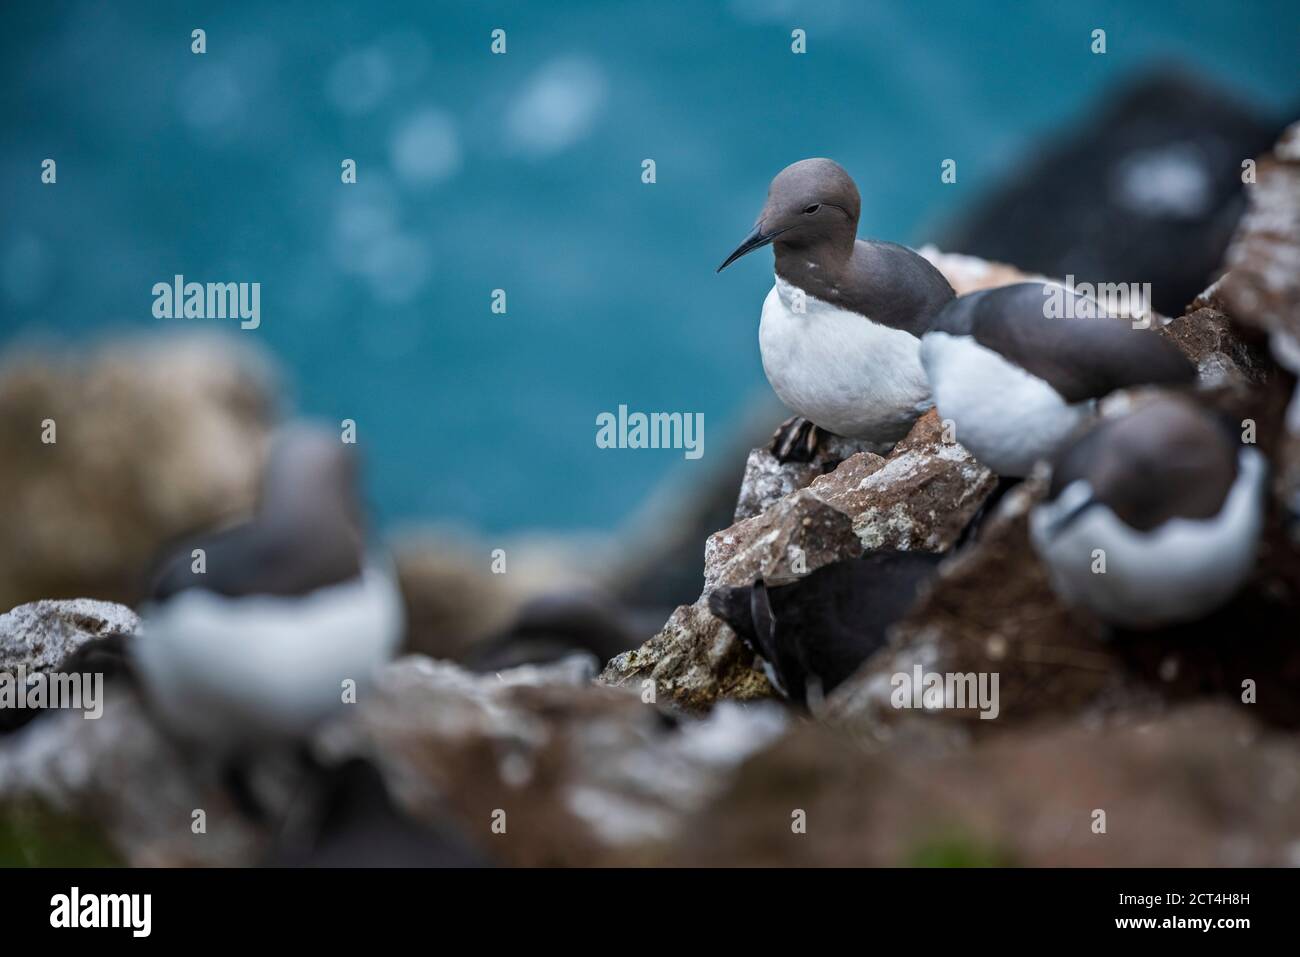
[[814, 265]]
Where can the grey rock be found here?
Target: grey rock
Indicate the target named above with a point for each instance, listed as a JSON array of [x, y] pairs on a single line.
[[55, 637], [42, 635], [584, 774]]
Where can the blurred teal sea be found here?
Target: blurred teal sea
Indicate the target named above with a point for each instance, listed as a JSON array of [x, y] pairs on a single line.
[[521, 172]]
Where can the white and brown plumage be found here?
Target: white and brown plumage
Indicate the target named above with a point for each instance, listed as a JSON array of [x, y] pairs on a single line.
[[255, 648], [840, 329], [1017, 382]]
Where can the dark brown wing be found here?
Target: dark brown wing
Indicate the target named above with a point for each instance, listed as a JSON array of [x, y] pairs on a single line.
[[1085, 357]]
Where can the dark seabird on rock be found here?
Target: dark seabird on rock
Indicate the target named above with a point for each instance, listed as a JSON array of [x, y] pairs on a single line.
[[1152, 518], [556, 625], [840, 330], [1017, 381], [258, 647], [350, 820], [814, 633]]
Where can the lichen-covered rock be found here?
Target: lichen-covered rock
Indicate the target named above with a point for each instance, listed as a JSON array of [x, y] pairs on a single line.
[[43, 635], [571, 772], [1203, 785], [920, 496], [693, 662], [111, 454], [56, 637], [767, 481]]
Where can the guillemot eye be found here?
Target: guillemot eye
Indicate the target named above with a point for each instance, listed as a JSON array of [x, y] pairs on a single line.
[[812, 209]]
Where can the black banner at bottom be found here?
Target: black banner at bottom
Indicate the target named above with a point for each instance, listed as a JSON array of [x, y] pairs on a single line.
[[333, 906]]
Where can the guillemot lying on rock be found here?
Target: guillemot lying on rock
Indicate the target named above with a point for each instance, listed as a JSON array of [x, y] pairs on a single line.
[[1152, 518], [1017, 379], [814, 633], [254, 633], [840, 329]]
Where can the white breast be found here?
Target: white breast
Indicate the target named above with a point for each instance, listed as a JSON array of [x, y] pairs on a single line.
[[1006, 417], [1179, 571], [849, 375], [236, 670]]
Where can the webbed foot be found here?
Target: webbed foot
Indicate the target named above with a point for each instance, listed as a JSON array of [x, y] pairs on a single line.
[[796, 440]]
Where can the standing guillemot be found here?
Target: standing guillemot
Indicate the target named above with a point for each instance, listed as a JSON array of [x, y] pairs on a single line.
[[840, 330], [813, 633], [1016, 384], [255, 649], [1152, 518]]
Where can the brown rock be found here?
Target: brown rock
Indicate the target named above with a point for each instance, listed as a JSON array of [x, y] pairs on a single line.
[[767, 481], [586, 775], [920, 497], [991, 609], [1262, 287], [154, 440], [1222, 356], [1201, 786], [452, 602]]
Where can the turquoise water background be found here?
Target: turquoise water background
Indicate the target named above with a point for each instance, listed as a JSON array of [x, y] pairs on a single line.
[[522, 172]]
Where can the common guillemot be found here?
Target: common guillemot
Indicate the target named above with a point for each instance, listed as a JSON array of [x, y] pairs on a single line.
[[252, 633], [1017, 384], [1152, 518], [840, 329], [813, 633]]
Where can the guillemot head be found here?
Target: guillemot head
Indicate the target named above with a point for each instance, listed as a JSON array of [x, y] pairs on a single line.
[[308, 530], [812, 208], [311, 475], [1169, 458], [1152, 518]]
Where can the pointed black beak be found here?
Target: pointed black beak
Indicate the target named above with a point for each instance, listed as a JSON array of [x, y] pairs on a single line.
[[751, 242], [1070, 517]]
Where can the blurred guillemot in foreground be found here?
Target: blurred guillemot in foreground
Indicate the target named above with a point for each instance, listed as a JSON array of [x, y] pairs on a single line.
[[1017, 380], [840, 330], [251, 641], [1152, 518]]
